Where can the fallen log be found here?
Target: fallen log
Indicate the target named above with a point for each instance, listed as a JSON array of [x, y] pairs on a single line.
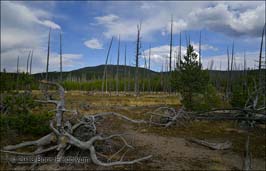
[[214, 146]]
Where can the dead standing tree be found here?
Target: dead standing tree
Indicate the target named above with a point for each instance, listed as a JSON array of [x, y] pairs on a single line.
[[125, 70], [136, 87], [17, 74], [149, 66], [170, 55], [179, 53], [260, 56], [28, 60], [44, 88], [31, 61], [117, 67], [171, 46], [61, 65], [48, 55], [104, 80]]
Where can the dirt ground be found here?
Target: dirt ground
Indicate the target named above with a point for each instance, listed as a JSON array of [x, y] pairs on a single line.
[[169, 148]]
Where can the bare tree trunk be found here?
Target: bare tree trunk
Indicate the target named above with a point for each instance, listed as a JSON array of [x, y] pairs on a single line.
[[125, 70], [170, 57], [137, 62], [28, 59], [129, 78], [232, 64], [145, 72], [61, 66], [171, 44], [228, 74], [179, 53], [260, 57], [149, 69], [105, 68], [17, 72], [231, 69], [48, 53], [31, 61], [117, 67]]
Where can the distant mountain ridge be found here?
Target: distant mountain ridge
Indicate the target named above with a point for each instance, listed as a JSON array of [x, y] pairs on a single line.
[[96, 72]]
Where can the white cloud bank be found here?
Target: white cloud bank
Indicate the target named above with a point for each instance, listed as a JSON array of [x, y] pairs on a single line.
[[230, 18]]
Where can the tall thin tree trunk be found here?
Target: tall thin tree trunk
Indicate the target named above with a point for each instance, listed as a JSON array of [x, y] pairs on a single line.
[[105, 68], [260, 57], [136, 87], [171, 44], [231, 70], [48, 54], [61, 65], [228, 74], [149, 68], [129, 78], [28, 59], [17, 73], [125, 70], [179, 52], [170, 57], [117, 67], [31, 61], [145, 72]]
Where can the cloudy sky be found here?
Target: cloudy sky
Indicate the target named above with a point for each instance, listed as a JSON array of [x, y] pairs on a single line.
[[88, 26]]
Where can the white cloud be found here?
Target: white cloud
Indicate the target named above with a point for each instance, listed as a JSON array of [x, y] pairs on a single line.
[[221, 18], [229, 18], [24, 28], [220, 61], [50, 24], [93, 44], [108, 19], [204, 47]]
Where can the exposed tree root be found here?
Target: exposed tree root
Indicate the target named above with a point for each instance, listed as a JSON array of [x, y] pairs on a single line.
[[62, 136], [166, 117]]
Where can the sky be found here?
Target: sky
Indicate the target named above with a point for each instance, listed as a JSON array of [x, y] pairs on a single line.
[[88, 26]]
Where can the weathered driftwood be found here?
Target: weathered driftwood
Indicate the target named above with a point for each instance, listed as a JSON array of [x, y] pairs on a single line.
[[63, 135], [214, 146], [168, 116]]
